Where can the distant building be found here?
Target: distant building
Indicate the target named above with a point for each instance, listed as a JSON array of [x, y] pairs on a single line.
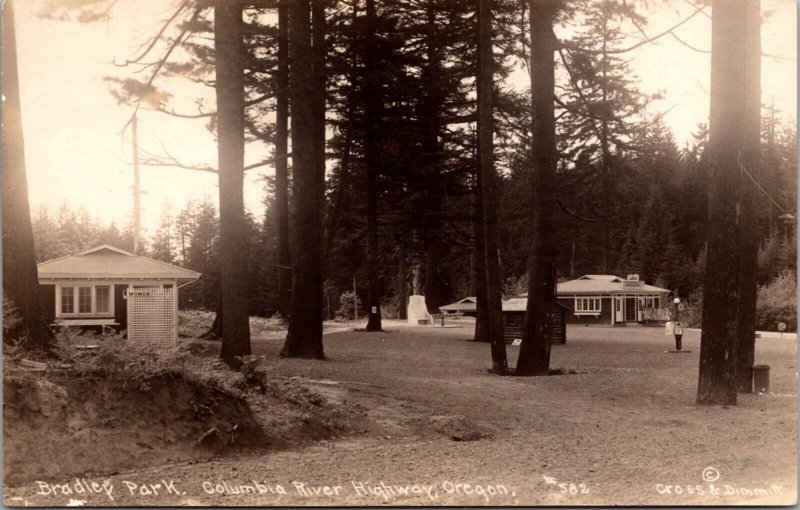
[[514, 316], [467, 306], [109, 287], [609, 299], [514, 319], [591, 299]]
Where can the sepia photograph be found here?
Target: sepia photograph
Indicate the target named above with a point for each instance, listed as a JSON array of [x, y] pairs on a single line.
[[363, 253]]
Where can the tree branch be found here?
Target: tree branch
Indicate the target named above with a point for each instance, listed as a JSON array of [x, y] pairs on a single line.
[[149, 45], [698, 10]]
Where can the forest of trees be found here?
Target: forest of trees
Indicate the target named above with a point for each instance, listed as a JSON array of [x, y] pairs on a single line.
[[413, 168]]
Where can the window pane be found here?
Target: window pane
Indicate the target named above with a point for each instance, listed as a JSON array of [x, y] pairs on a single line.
[[101, 296], [84, 300], [67, 300]]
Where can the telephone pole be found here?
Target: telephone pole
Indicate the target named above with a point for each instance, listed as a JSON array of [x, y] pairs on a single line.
[[137, 211]]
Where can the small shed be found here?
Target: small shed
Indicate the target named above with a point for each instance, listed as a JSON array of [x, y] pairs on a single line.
[[108, 287], [467, 306], [514, 319]]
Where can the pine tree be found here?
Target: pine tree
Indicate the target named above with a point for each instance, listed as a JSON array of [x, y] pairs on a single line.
[[229, 47], [20, 281], [304, 338], [748, 222], [491, 297], [284, 271], [534, 353], [718, 342]]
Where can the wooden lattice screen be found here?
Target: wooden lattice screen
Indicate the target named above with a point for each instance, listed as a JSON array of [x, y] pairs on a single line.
[[151, 316]]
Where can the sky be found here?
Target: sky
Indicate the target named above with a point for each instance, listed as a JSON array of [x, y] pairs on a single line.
[[77, 154]]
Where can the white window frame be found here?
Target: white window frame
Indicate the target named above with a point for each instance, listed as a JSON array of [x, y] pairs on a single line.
[[76, 313], [588, 305], [60, 305], [77, 310], [110, 309]]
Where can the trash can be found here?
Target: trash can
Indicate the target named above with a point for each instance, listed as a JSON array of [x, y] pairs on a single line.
[[761, 378]]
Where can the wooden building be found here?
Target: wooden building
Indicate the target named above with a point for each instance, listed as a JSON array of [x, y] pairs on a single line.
[[467, 306], [109, 287], [514, 316], [514, 319], [604, 299]]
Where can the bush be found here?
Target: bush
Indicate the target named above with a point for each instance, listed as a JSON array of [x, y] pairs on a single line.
[[345, 311], [777, 302], [11, 318], [692, 314], [390, 310], [115, 356]]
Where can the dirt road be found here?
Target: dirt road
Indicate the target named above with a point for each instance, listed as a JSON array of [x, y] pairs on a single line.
[[622, 430]]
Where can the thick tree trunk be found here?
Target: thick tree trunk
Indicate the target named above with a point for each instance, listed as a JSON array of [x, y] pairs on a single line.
[[480, 262], [20, 276], [215, 331], [749, 232], [372, 112], [488, 190], [718, 349], [534, 354], [230, 56], [437, 282], [284, 271], [343, 181], [304, 338], [318, 50]]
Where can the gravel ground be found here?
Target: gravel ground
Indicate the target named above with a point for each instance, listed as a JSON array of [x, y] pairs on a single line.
[[624, 429]]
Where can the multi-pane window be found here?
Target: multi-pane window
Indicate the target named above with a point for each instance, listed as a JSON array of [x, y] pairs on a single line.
[[101, 299], [652, 302], [587, 304], [84, 300], [67, 300]]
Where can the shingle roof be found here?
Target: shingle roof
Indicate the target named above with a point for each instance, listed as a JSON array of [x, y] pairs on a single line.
[[468, 304], [108, 262], [520, 304], [605, 284]]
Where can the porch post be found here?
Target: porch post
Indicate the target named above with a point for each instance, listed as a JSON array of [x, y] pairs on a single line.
[[613, 310]]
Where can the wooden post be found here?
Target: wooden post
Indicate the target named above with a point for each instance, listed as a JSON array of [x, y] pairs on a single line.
[[355, 300]]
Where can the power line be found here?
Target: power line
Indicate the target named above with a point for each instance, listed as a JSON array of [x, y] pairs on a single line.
[[743, 169]]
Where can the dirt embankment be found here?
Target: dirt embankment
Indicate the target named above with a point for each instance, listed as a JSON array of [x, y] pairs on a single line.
[[58, 424]]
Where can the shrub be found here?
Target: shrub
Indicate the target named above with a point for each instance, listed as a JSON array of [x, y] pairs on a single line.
[[692, 314], [346, 311], [11, 317], [116, 357], [390, 310], [777, 302]]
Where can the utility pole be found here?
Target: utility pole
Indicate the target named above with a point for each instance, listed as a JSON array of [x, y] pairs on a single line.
[[137, 211], [770, 149]]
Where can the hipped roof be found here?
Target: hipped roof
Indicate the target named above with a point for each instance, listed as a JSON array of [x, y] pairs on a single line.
[[109, 262], [605, 284]]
